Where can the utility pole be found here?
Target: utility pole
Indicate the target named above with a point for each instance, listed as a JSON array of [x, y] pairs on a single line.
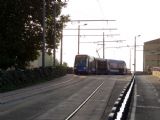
[[103, 47], [135, 52], [43, 42], [130, 59], [61, 46], [54, 36], [78, 38], [79, 21]]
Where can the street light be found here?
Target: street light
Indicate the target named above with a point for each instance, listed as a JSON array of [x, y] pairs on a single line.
[[79, 37], [135, 52]]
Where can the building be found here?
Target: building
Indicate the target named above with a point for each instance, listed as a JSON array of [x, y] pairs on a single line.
[[151, 54]]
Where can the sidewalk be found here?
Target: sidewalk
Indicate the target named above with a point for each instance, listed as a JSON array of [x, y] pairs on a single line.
[[146, 104]]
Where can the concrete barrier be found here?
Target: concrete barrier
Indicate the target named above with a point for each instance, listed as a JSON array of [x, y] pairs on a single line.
[[121, 106], [156, 71]]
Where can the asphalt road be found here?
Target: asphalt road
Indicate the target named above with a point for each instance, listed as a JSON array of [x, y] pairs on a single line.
[[146, 104], [69, 97]]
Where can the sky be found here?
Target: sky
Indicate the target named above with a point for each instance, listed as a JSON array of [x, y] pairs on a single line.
[[132, 18]]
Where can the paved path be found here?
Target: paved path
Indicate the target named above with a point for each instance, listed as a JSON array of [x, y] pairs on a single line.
[[146, 104]]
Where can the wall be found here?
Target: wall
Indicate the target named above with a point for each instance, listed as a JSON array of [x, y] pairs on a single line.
[[151, 54]]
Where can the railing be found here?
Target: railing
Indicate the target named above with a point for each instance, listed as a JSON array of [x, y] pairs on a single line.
[[121, 106]]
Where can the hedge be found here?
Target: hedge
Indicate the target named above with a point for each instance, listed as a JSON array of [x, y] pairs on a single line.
[[11, 80]]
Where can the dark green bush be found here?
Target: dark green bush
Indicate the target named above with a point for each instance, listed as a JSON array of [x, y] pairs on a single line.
[[11, 80]]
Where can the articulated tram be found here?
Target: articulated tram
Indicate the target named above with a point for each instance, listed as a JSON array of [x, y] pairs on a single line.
[[117, 67], [85, 64]]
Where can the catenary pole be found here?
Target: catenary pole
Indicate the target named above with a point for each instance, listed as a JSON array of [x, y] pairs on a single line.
[[135, 38], [134, 54], [78, 38], [43, 42], [103, 46], [54, 35], [61, 54]]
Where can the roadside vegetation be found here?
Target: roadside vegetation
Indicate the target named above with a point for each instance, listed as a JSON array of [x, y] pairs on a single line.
[[21, 40], [21, 23], [16, 79]]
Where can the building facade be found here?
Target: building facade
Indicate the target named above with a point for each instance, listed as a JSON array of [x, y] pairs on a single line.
[[151, 55]]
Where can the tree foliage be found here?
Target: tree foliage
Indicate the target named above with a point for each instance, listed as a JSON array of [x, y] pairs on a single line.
[[21, 29]]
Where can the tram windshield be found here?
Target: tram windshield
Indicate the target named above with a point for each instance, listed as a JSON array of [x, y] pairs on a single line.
[[80, 60]]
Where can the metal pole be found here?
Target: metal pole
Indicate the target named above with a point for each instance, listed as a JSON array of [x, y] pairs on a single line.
[[61, 45], [78, 38], [130, 60], [103, 47], [134, 54], [43, 42], [54, 37]]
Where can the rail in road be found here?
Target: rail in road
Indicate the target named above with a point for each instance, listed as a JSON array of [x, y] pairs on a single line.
[[70, 97], [83, 103]]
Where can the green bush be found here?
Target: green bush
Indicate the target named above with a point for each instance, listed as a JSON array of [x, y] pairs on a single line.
[[11, 80]]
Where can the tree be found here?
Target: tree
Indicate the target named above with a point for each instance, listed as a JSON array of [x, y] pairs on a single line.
[[54, 12], [65, 64], [21, 30]]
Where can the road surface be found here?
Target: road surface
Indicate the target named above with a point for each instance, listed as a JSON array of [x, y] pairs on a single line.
[[69, 97]]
